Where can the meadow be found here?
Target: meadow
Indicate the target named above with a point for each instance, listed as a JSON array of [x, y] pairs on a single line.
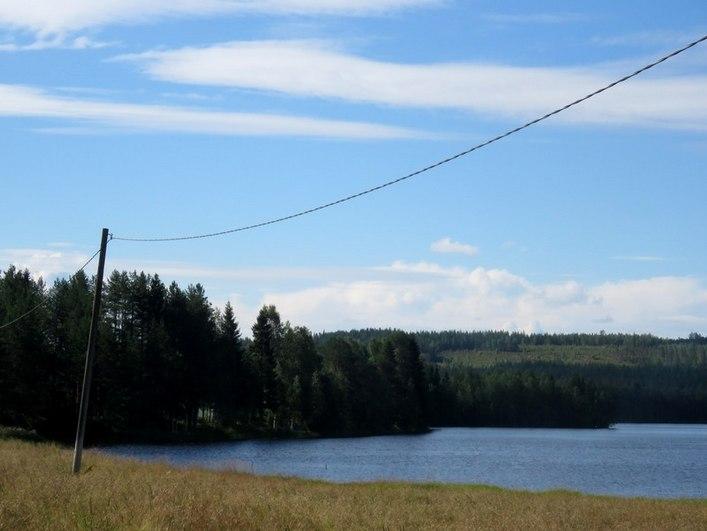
[[38, 492]]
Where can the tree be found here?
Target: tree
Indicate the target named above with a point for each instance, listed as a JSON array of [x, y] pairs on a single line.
[[267, 335], [297, 361], [355, 385], [25, 359], [69, 319], [229, 376], [406, 378]]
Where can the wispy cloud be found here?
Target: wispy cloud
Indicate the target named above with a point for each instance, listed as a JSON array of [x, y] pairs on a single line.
[[639, 258], [16, 100], [62, 258], [57, 17], [447, 245], [319, 70], [646, 38], [512, 245], [533, 18], [57, 42]]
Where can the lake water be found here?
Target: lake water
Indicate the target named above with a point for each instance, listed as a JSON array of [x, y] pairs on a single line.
[[654, 460]]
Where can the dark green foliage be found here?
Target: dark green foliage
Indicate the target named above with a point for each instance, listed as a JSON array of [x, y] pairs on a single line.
[[353, 381], [170, 365], [229, 376], [398, 360], [652, 392], [641, 378], [25, 360], [295, 367], [267, 339], [433, 344], [524, 399]]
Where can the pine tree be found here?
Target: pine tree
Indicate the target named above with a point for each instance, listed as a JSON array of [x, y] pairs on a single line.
[[267, 334], [230, 378]]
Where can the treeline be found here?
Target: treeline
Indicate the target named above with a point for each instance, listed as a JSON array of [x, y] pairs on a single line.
[[651, 392], [516, 398], [434, 343], [169, 363], [646, 378]]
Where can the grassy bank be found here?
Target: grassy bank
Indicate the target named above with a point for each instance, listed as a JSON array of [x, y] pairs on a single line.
[[37, 491]]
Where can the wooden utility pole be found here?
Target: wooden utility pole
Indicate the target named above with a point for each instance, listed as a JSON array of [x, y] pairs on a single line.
[[90, 355]]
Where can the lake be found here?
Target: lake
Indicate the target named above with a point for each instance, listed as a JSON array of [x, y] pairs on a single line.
[[654, 460]]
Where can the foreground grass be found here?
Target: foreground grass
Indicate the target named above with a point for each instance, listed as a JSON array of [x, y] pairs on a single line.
[[37, 491]]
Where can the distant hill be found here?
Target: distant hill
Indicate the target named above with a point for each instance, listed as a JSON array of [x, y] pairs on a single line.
[[488, 348], [652, 379]]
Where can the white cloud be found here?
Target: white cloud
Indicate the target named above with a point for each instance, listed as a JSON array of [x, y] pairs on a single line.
[[682, 300], [447, 245], [45, 263], [59, 16], [316, 69], [424, 295], [421, 268], [483, 299], [29, 102]]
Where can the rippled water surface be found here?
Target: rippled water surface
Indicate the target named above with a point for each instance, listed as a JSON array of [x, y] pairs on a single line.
[[656, 460]]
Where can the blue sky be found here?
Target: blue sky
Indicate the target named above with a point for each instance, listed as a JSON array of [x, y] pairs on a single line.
[[159, 118]]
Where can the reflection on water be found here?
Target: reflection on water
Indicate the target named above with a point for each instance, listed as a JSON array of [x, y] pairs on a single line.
[[655, 460]]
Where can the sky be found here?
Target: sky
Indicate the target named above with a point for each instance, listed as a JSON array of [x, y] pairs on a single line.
[[160, 118]]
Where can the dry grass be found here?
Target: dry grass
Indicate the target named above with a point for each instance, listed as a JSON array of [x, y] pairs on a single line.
[[38, 492]]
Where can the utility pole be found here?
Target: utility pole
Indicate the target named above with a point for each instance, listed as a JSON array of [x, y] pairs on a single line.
[[90, 355]]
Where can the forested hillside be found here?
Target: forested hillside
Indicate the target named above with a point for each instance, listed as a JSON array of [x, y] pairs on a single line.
[[650, 379], [623, 348], [169, 364]]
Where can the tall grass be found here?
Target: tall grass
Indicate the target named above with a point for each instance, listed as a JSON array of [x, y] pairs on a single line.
[[38, 492]]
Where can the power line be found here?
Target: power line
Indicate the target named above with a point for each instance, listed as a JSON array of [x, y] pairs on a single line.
[[34, 308], [426, 168]]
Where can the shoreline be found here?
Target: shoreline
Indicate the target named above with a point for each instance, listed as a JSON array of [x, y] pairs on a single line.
[[190, 439], [218, 436]]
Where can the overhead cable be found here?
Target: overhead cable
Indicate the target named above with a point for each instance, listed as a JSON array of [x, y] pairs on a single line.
[[422, 170]]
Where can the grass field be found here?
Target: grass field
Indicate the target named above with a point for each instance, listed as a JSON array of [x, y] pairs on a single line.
[[38, 492]]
